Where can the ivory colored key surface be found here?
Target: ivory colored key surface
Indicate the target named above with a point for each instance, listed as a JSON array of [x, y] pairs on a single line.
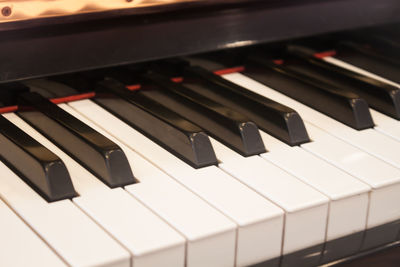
[[209, 233], [348, 196], [382, 177], [62, 225], [306, 209], [20, 246], [260, 222], [150, 241], [386, 124]]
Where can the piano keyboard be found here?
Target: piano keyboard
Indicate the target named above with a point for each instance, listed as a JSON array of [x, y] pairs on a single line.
[[286, 160]]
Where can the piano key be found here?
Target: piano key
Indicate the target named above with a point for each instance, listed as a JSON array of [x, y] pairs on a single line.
[[179, 136], [335, 102], [13, 233], [382, 177], [260, 223], [280, 121], [91, 149], [332, 145], [369, 140], [363, 71], [9, 93], [62, 225], [365, 50], [379, 95], [342, 189], [178, 206], [39, 166], [387, 68], [306, 209], [207, 239], [149, 240], [222, 123]]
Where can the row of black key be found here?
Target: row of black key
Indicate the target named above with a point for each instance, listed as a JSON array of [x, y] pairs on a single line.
[[175, 114]]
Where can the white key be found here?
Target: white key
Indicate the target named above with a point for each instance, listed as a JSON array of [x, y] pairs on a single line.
[[150, 240], [306, 209], [63, 226], [209, 233], [386, 124], [349, 197], [19, 246], [254, 215], [383, 178], [341, 63]]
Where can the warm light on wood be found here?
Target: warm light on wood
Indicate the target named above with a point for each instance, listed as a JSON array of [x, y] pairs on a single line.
[[31, 9]]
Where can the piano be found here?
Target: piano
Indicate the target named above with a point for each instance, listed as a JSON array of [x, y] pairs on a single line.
[[199, 133]]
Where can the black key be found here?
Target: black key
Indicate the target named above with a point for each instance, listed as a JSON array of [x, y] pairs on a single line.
[[278, 120], [381, 96], [94, 151], [165, 127], [367, 51], [383, 44], [38, 166], [224, 124], [380, 67], [9, 93], [341, 105], [49, 88]]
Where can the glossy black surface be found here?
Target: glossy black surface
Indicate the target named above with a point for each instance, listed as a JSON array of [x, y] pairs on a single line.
[[165, 127], [224, 124], [376, 65], [367, 50], [9, 93], [96, 152], [350, 250], [381, 96], [38, 166], [340, 104], [76, 43], [280, 121]]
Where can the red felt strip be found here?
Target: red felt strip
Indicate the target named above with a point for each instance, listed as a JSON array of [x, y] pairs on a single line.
[[278, 61], [72, 98], [8, 109], [133, 87], [229, 70], [329, 53], [177, 79]]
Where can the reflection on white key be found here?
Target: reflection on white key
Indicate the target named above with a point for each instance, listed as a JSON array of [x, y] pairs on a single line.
[[306, 209], [254, 214], [150, 240], [386, 124], [20, 246], [64, 227], [382, 177], [210, 234]]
